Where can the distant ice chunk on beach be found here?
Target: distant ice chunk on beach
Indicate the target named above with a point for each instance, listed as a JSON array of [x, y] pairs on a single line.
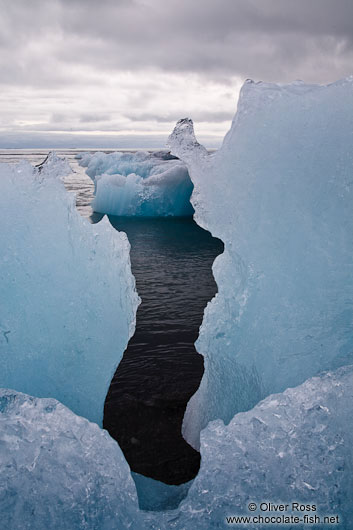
[[139, 184], [67, 294], [59, 471], [279, 193]]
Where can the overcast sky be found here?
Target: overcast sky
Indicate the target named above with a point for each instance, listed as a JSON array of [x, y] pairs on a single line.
[[119, 73]]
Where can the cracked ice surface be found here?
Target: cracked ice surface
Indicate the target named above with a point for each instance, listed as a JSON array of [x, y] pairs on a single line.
[[68, 298], [279, 195], [59, 471], [139, 184], [292, 447]]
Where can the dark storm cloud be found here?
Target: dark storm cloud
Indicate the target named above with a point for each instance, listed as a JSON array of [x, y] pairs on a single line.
[[275, 40]]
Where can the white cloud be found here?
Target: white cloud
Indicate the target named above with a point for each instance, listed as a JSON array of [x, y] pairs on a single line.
[[135, 66]]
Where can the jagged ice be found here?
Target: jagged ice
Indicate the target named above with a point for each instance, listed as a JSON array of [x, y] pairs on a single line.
[[67, 294], [279, 193]]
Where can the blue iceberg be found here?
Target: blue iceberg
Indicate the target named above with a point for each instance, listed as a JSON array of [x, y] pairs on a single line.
[[139, 184]]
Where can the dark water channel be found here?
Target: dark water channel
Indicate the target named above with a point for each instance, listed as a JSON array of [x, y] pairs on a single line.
[[171, 259]]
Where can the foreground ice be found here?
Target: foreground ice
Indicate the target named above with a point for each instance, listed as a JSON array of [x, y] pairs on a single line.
[[279, 195], [292, 447], [139, 184], [67, 294], [59, 471]]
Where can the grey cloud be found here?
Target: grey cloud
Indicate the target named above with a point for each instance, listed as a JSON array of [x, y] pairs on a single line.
[[207, 19], [58, 118], [69, 126], [63, 119], [272, 36], [273, 39], [87, 65], [94, 118], [204, 116]]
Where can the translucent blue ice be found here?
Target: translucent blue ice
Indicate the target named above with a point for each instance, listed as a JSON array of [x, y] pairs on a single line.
[[279, 194], [67, 295], [139, 184]]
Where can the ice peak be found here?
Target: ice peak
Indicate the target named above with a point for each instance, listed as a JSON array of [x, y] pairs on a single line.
[[183, 143], [54, 166]]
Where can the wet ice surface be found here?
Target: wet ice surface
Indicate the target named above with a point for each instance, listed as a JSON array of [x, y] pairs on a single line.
[[171, 259]]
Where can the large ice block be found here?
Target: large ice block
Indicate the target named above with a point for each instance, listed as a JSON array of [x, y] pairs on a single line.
[[139, 184], [59, 471], [279, 195], [67, 295]]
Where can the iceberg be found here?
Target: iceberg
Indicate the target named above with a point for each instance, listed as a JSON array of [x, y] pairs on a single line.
[[68, 298], [139, 184], [278, 193], [60, 471]]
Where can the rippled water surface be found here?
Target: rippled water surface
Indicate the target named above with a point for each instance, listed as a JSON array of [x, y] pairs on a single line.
[[171, 260]]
